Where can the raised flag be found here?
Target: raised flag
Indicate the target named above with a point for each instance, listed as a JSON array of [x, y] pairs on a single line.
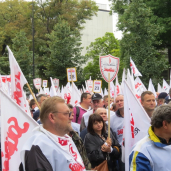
[[52, 90], [17, 82], [136, 122], [16, 128], [151, 88], [134, 68], [75, 95], [166, 87]]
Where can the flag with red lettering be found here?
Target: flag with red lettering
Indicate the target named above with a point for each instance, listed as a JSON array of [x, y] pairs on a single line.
[[16, 128], [75, 95], [139, 88], [136, 122], [17, 82], [134, 68], [166, 87]]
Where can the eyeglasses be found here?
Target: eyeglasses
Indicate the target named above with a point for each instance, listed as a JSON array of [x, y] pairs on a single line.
[[65, 113]]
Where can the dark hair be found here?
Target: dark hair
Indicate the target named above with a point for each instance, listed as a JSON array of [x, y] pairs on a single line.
[[70, 106], [32, 102], [144, 93], [160, 114], [92, 119], [84, 95], [39, 96]]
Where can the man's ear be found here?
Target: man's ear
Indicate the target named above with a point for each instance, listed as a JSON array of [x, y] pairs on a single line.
[[165, 124], [51, 117]]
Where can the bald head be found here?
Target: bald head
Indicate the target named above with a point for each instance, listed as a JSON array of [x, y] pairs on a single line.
[[102, 112]]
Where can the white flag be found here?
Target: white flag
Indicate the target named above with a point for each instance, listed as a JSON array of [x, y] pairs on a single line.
[[75, 95], [166, 87], [52, 90], [151, 88], [139, 88], [159, 89], [136, 122], [17, 82], [16, 128], [134, 69]]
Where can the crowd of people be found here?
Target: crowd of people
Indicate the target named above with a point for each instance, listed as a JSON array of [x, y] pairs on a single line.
[[76, 137]]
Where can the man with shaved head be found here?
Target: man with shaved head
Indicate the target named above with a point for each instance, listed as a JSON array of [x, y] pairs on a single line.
[[117, 122]]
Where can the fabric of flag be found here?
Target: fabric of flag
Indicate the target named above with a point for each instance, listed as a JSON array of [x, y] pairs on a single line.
[[52, 90], [151, 88], [134, 69], [16, 128], [166, 87], [159, 88], [17, 82], [139, 88], [136, 122], [75, 95]]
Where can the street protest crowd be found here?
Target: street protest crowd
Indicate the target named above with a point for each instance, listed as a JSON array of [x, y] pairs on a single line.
[[127, 128]]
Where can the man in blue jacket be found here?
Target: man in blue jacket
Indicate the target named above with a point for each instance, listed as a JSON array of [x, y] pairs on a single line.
[[153, 152]]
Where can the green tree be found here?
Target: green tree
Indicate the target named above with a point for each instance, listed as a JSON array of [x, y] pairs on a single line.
[[105, 45], [161, 9], [139, 40], [64, 51], [23, 55]]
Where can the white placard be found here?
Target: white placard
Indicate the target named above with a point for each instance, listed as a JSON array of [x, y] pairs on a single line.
[[71, 74], [56, 83], [37, 83], [97, 86], [90, 85], [45, 83]]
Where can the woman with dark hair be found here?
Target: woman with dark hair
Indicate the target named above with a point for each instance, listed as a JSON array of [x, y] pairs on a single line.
[[98, 146]]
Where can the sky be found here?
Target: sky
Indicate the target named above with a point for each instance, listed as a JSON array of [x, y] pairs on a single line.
[[118, 34]]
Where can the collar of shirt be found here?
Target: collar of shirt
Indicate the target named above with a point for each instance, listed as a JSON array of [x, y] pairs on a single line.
[[118, 114], [83, 108]]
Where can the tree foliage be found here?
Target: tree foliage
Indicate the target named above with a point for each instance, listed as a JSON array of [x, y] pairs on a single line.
[[139, 41], [64, 51], [17, 15], [105, 45]]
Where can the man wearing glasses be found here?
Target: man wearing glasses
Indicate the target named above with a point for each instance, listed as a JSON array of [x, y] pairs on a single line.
[[50, 148]]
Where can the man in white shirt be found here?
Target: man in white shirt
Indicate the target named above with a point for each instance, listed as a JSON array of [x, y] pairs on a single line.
[[50, 148]]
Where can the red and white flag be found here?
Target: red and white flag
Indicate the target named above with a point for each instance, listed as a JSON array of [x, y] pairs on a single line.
[[139, 88], [16, 128], [166, 86], [136, 122], [17, 82], [75, 95], [134, 69]]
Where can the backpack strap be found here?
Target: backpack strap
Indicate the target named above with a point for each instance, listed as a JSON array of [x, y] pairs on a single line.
[[77, 113]]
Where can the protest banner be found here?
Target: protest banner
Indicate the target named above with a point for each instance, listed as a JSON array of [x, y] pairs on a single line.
[[109, 67]]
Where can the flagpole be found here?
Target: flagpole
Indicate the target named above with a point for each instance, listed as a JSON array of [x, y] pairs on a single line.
[[109, 104], [33, 95], [33, 40]]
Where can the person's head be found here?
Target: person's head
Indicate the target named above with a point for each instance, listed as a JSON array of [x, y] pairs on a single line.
[[41, 98], [55, 116], [113, 107], [96, 124], [32, 104], [161, 120], [105, 99], [97, 101], [148, 102], [71, 110], [86, 99], [161, 98], [119, 101], [102, 112]]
